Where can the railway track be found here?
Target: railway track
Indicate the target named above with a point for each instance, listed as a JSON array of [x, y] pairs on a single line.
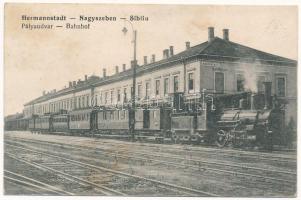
[[180, 159], [224, 153], [224, 169], [41, 159], [32, 184]]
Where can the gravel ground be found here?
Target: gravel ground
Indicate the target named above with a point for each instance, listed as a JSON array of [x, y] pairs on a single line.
[[221, 184]]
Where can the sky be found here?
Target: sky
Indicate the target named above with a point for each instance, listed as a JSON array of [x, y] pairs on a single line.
[[38, 60]]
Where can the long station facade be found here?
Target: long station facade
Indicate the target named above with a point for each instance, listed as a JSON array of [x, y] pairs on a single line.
[[217, 66]]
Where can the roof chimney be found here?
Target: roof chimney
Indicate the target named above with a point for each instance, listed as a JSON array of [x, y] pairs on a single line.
[[187, 45], [171, 50], [133, 63], [86, 77], [74, 83], [145, 60], [123, 67], [104, 73], [210, 34], [153, 58], [44, 92], [226, 34], [117, 69], [70, 83], [165, 53]]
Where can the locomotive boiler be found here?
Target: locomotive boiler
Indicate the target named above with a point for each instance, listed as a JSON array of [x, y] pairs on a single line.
[[256, 125]]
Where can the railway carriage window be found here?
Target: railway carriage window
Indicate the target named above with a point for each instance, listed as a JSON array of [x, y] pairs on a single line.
[[121, 115], [111, 115], [118, 95], [190, 81], [166, 86], [219, 82], [260, 85], [240, 83], [280, 86], [139, 91], [147, 90], [176, 84], [157, 87]]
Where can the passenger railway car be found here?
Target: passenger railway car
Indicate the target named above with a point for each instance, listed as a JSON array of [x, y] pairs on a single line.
[[16, 124], [242, 119], [59, 123], [80, 121]]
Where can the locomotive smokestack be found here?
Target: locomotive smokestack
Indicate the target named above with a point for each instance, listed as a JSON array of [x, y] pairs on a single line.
[[252, 101]]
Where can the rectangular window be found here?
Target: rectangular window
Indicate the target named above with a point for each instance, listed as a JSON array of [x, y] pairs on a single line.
[[240, 83], [88, 101], [190, 81], [166, 86], [83, 101], [157, 87], [139, 91], [112, 97], [124, 95], [260, 85], [219, 82], [95, 101], [176, 84], [147, 90], [79, 102], [280, 86], [118, 95], [75, 103], [106, 97]]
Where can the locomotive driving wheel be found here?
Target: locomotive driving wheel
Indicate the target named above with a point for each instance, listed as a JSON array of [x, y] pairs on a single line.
[[240, 136], [222, 138]]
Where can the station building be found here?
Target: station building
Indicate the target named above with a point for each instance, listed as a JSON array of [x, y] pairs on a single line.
[[218, 65]]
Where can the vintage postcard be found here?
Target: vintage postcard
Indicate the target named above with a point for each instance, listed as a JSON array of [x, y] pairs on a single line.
[[159, 100]]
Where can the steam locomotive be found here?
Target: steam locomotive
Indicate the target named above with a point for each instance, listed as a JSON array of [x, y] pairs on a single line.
[[239, 120]]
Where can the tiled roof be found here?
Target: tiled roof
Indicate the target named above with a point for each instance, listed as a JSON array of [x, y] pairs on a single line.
[[216, 49]]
